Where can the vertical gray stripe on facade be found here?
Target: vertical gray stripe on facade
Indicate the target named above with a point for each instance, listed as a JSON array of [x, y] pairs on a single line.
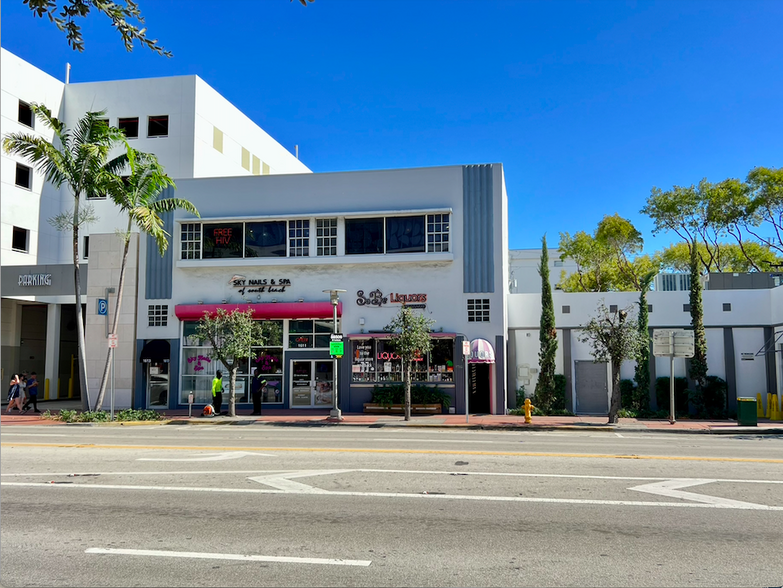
[[769, 358], [500, 374], [567, 370], [478, 229], [158, 281], [731, 369], [511, 372]]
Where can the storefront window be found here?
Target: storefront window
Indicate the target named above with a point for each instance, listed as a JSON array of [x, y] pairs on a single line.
[[388, 363], [362, 360], [306, 334], [441, 365], [222, 240]]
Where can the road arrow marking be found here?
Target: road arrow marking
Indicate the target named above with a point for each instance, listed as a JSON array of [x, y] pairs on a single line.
[[670, 489], [283, 481], [208, 457], [230, 556]]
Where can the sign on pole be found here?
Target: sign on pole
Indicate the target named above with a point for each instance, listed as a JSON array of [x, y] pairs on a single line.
[[673, 342], [103, 307], [112, 340], [466, 348], [336, 348]]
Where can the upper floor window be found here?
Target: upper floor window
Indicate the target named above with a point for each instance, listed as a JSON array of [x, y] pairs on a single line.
[[24, 176], [86, 247], [222, 240], [478, 310], [363, 236], [326, 234], [191, 240], [266, 239], [20, 241], [129, 126], [158, 126], [26, 114], [405, 234], [158, 315], [299, 238], [437, 233]]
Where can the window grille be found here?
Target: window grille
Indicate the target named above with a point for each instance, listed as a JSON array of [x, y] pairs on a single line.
[[478, 310], [191, 241]]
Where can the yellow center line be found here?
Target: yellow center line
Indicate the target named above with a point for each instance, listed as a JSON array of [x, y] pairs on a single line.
[[405, 451]]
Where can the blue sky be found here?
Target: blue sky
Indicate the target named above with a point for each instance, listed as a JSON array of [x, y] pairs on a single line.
[[588, 105]]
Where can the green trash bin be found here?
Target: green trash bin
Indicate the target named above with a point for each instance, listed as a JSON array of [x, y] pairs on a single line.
[[746, 412]]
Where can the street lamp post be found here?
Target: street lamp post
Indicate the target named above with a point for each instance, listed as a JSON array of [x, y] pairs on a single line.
[[334, 296]]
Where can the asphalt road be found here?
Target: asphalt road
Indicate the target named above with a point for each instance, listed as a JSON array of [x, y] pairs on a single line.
[[263, 505]]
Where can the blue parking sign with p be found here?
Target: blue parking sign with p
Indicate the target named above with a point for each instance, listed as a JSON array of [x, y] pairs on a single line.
[[103, 306]]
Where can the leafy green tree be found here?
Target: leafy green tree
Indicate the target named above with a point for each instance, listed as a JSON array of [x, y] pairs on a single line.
[[64, 14], [613, 338], [231, 334], [698, 364], [411, 340], [76, 159], [766, 206], [608, 260], [730, 258], [547, 337], [138, 197]]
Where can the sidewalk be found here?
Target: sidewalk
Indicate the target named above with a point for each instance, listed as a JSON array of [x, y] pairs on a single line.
[[318, 417]]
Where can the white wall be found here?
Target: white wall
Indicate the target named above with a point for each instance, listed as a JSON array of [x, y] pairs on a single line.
[[213, 110], [523, 266], [23, 208]]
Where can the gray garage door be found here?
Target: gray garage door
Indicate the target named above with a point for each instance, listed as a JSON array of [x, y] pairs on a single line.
[[591, 388]]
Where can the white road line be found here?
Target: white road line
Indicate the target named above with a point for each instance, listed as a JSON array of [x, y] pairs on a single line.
[[283, 481], [400, 495], [670, 488], [230, 556], [208, 456], [440, 441], [619, 435]]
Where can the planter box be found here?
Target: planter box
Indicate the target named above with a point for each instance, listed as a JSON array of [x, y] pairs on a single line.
[[371, 407]]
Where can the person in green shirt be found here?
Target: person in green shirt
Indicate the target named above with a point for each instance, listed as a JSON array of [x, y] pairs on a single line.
[[217, 392]]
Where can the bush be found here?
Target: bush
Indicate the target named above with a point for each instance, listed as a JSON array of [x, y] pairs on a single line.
[[521, 396], [556, 403], [628, 394], [714, 397], [98, 416], [67, 416], [132, 414], [420, 394], [680, 394]]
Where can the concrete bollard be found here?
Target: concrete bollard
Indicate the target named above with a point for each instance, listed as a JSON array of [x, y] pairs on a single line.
[[776, 412], [759, 407]]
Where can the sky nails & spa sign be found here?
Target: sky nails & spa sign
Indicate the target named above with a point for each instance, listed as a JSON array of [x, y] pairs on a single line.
[[259, 285]]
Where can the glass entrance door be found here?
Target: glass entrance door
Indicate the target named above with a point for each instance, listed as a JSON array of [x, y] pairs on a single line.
[[312, 383], [158, 385]]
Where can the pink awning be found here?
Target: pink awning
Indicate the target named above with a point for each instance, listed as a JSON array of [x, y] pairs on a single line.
[[481, 352], [265, 310], [388, 335]]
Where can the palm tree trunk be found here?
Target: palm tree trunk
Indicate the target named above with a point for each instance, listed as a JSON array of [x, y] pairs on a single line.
[[116, 321], [83, 387]]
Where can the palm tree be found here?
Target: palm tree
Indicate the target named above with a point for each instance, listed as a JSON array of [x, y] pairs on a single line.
[[75, 158], [138, 197]]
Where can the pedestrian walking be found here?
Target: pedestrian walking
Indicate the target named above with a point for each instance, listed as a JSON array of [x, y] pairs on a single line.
[[256, 389], [14, 391], [32, 393], [217, 392]]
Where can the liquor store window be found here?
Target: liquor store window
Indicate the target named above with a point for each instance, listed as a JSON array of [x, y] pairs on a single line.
[[376, 360], [308, 334], [222, 240], [26, 116], [129, 126], [158, 126]]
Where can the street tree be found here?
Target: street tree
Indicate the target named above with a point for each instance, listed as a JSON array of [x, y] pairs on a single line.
[[610, 259], [76, 158], [410, 336], [231, 333], [613, 338], [547, 337], [698, 364], [64, 14], [766, 208], [138, 197]]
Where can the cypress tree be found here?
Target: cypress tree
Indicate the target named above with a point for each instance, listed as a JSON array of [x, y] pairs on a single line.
[[642, 369], [547, 335], [698, 365]]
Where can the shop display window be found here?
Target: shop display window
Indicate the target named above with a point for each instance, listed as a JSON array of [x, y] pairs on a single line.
[[308, 334], [375, 360]]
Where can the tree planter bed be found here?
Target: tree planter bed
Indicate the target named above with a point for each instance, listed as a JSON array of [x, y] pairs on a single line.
[[374, 408]]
